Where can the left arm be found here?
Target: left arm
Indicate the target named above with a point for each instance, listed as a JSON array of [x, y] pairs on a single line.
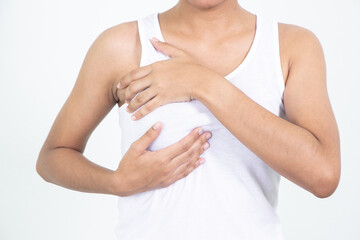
[[305, 149]]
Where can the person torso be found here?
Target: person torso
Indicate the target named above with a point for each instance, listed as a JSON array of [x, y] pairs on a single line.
[[233, 195]]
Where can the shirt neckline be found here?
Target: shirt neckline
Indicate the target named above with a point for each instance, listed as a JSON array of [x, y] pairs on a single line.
[[243, 63]]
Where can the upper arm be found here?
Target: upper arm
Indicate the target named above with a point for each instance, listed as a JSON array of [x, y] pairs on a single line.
[[306, 99], [111, 55]]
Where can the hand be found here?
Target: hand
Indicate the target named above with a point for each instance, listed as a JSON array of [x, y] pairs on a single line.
[[162, 82], [141, 170]]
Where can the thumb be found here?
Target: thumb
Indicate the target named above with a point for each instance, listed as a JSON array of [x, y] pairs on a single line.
[[149, 136], [166, 48]]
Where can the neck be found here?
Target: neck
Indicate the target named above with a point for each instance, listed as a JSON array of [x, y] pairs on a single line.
[[207, 20]]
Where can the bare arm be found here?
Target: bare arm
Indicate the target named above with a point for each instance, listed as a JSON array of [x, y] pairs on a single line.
[[61, 160], [305, 149]]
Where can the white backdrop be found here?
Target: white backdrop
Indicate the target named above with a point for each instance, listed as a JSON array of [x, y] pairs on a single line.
[[42, 46]]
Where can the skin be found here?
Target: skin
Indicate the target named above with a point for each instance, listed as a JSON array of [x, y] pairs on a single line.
[[305, 149]]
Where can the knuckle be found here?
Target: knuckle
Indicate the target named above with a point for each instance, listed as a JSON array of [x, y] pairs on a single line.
[[127, 95], [145, 108], [187, 154], [194, 162], [139, 97], [135, 146], [192, 151], [139, 114], [188, 144], [150, 106], [166, 171], [188, 164], [133, 73], [184, 146], [131, 88]]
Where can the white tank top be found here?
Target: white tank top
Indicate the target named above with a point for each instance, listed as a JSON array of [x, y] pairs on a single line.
[[233, 194]]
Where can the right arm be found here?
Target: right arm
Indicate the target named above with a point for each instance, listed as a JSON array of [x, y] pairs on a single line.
[[61, 161]]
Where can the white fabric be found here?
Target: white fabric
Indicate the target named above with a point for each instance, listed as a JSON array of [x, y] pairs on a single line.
[[234, 194]]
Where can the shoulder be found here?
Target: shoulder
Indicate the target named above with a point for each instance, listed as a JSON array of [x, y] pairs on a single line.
[[298, 44], [119, 42], [117, 50], [296, 39]]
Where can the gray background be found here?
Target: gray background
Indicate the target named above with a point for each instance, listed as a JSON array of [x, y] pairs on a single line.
[[42, 46]]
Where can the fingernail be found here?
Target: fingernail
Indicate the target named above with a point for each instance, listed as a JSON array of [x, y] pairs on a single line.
[[202, 161], [156, 125], [127, 109], [199, 131], [155, 39], [118, 85], [206, 145], [208, 135], [133, 117]]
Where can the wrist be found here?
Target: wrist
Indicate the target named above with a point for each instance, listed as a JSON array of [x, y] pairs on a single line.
[[115, 187], [208, 81], [118, 185]]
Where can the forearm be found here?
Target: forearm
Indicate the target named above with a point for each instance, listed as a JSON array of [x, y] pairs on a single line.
[[71, 169], [289, 149]]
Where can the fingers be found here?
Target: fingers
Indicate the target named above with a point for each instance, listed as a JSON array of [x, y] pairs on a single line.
[[158, 169], [166, 48], [186, 162], [190, 155], [141, 144], [140, 99], [148, 107], [133, 75], [136, 87], [181, 146], [183, 171]]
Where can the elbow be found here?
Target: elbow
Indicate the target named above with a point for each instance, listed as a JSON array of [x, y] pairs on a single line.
[[327, 182], [40, 168]]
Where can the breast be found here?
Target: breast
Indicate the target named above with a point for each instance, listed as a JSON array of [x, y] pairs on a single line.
[[178, 119]]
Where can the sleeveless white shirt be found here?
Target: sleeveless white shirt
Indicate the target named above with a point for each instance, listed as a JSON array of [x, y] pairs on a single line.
[[233, 194]]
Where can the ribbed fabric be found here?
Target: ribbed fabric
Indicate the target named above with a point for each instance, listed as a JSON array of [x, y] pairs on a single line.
[[234, 194]]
